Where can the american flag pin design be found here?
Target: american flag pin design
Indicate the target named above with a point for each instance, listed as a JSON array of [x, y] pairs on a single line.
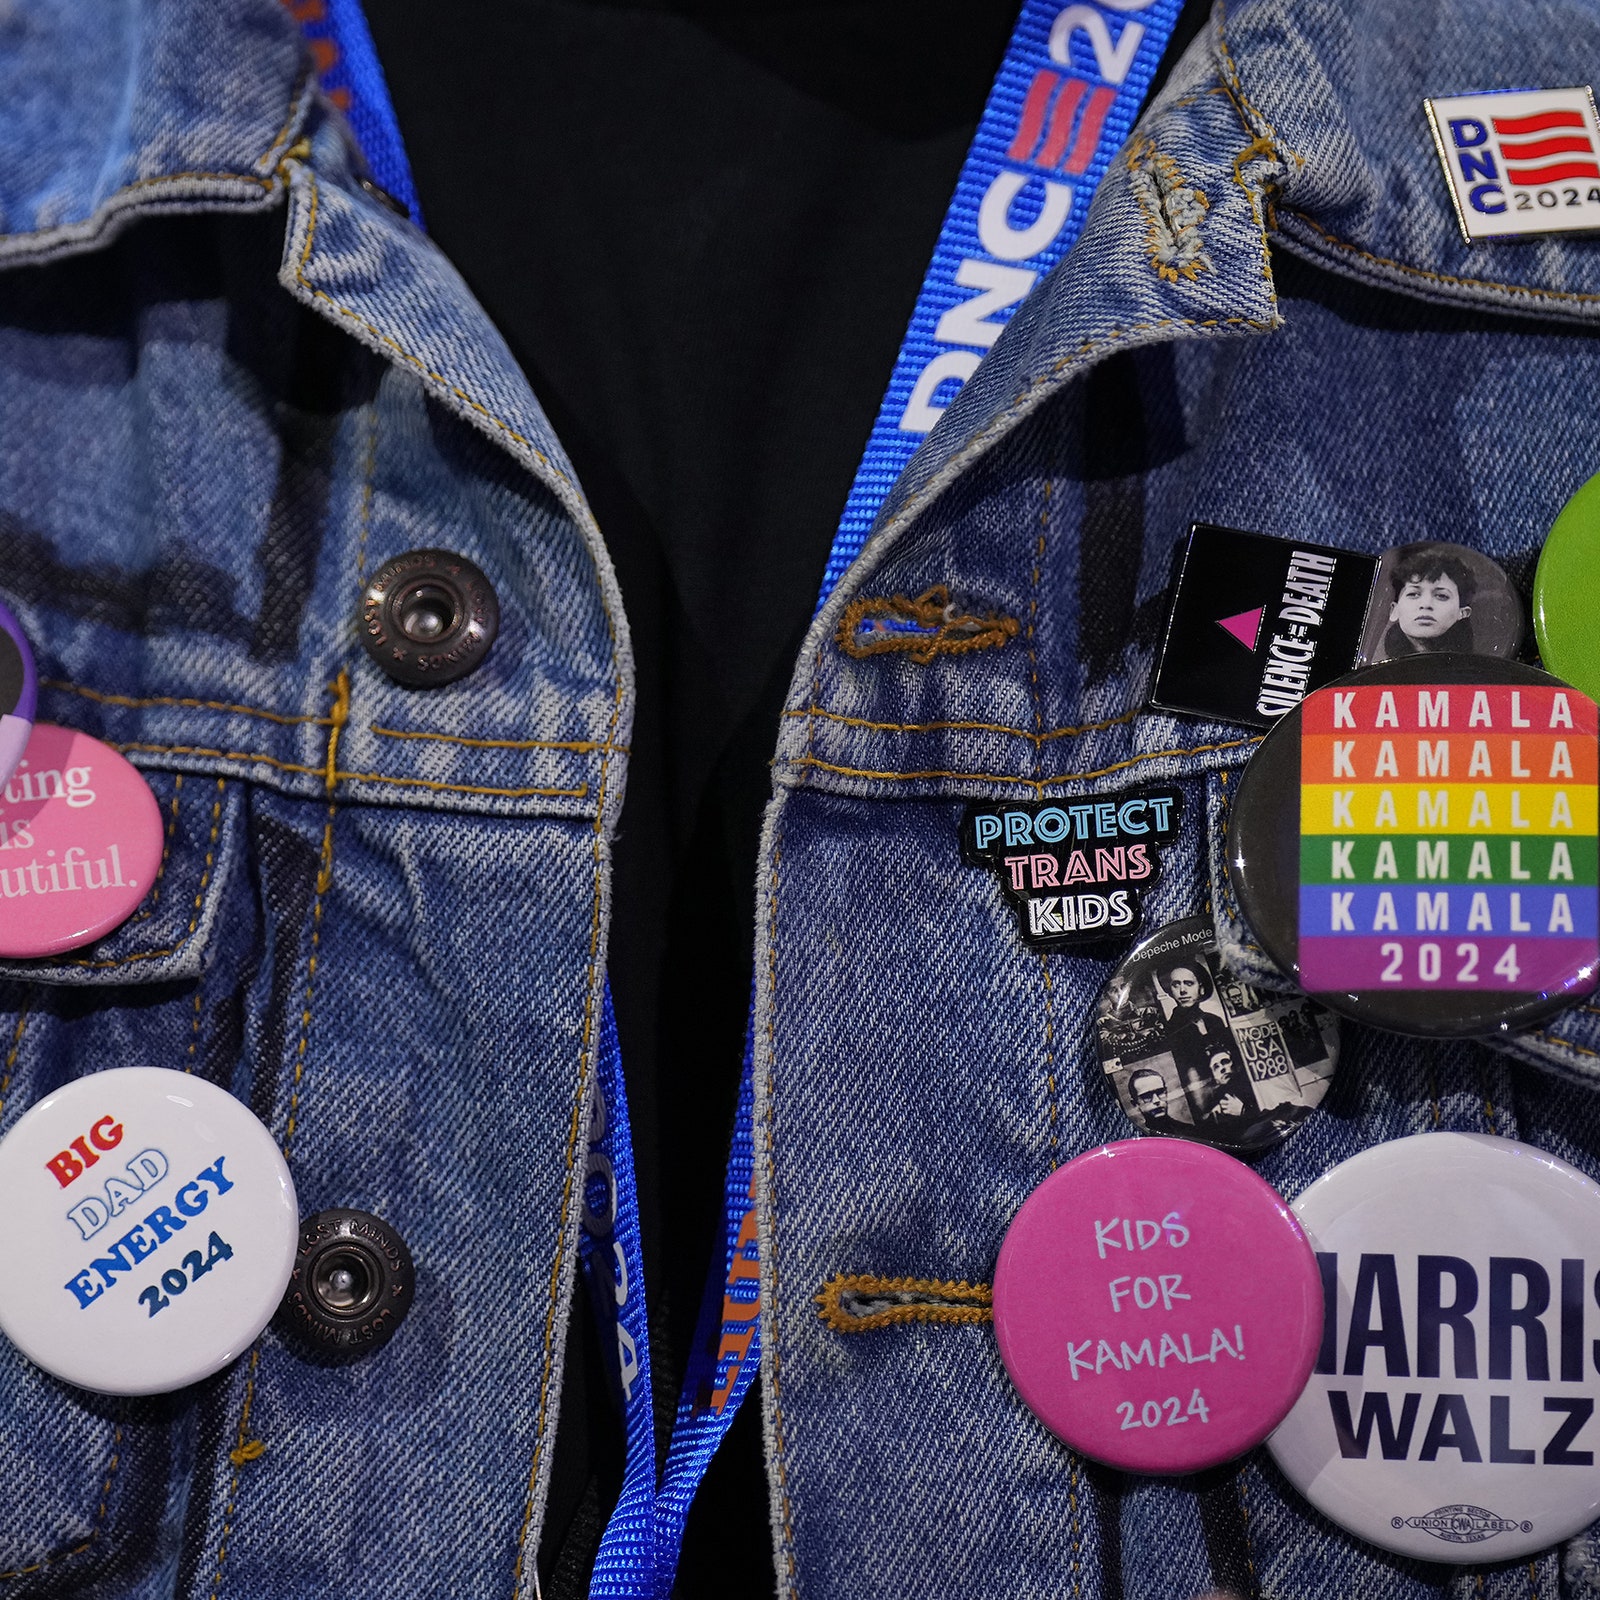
[[1520, 162]]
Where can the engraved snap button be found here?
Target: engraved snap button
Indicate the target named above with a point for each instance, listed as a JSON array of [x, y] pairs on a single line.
[[351, 1285], [428, 617]]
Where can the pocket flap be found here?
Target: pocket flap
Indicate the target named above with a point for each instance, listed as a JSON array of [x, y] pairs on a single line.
[[167, 936]]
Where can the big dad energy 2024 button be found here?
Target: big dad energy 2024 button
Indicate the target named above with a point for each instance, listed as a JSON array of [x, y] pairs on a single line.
[[152, 1229], [1451, 1413]]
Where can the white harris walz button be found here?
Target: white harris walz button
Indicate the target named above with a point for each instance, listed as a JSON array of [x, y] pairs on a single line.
[[1451, 1413], [152, 1230]]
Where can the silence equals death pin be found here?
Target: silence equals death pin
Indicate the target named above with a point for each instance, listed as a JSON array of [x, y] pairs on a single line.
[[1300, 627], [1075, 871]]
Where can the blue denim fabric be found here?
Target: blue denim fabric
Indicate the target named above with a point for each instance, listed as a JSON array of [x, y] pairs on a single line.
[[231, 384], [1333, 364]]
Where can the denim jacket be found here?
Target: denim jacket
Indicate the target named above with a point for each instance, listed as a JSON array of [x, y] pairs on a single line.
[[231, 383], [1270, 322]]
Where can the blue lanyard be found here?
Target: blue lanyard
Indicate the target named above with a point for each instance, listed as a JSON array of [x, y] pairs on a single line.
[[1068, 92]]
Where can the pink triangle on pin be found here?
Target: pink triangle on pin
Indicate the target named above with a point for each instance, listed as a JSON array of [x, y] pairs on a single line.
[[1245, 627]]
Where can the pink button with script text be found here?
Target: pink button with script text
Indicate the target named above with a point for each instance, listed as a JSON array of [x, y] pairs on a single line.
[[80, 843], [1157, 1306]]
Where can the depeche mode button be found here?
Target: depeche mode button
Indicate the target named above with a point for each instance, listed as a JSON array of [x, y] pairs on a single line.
[[1431, 598], [1451, 1414], [1123, 1317], [1566, 592], [428, 617], [1192, 1050], [352, 1283], [152, 1230], [1258, 622], [19, 692], [80, 843], [1416, 844]]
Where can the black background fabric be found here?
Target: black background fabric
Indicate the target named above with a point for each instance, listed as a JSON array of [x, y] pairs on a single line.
[[701, 228]]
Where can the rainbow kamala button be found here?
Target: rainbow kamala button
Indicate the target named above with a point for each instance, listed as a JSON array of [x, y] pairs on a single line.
[[1440, 842]]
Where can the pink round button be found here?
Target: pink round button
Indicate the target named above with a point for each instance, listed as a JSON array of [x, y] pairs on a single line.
[[1157, 1306], [80, 843]]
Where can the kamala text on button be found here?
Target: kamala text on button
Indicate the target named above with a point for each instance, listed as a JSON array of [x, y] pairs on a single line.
[[80, 843], [1417, 844], [153, 1230], [1450, 1416], [1124, 1321]]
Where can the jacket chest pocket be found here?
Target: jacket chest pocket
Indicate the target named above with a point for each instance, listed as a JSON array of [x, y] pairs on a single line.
[[83, 1477]]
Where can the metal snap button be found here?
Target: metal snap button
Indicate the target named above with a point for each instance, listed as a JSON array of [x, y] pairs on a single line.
[[351, 1285], [428, 617]]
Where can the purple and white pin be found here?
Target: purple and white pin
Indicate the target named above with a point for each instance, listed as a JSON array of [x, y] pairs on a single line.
[[19, 693]]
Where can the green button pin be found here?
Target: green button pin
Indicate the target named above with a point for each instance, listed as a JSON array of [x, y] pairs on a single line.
[[1566, 592]]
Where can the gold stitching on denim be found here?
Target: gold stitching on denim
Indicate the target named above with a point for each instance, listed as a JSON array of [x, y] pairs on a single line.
[[1236, 86], [1077, 1535], [774, 1355], [815, 710], [98, 1526], [194, 920], [580, 1103], [399, 349], [915, 1300], [1108, 341], [341, 776], [340, 688], [582, 747], [951, 635], [237, 1451], [469, 788], [266, 183], [16, 1046], [174, 700], [1039, 784], [200, 982], [324, 882], [1566, 1044], [1249, 1542], [297, 96], [154, 897], [1173, 211], [1445, 277]]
